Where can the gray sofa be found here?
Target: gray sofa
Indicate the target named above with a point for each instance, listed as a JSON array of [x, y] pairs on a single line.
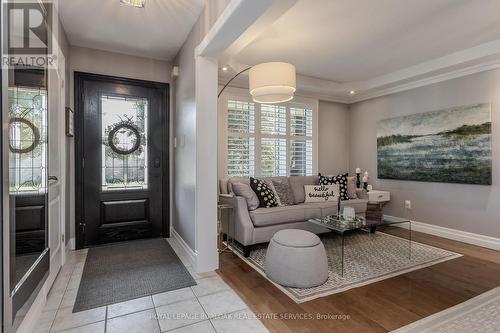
[[259, 225]]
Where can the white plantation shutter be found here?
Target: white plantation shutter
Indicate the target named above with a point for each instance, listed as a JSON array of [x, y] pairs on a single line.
[[269, 139], [272, 119], [301, 141], [273, 161], [240, 141], [273, 150]]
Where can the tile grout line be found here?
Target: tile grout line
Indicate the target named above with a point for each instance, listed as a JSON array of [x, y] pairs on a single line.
[[155, 307], [79, 326], [65, 290], [106, 320], [59, 306]]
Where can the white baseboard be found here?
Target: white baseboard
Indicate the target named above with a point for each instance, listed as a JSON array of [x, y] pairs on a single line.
[[188, 251], [72, 243], [458, 235]]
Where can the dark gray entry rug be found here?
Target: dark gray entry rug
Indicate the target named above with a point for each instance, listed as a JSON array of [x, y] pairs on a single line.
[[124, 271]]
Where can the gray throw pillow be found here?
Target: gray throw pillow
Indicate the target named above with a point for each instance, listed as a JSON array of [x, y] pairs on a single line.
[[351, 187], [284, 192], [245, 191]]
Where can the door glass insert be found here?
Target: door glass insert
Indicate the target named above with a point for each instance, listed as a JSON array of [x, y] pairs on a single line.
[[124, 143]]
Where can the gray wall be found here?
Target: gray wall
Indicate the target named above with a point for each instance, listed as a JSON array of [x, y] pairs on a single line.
[[184, 170], [333, 138], [469, 208]]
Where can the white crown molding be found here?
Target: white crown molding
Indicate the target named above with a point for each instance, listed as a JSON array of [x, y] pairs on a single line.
[[426, 81], [454, 234], [473, 60]]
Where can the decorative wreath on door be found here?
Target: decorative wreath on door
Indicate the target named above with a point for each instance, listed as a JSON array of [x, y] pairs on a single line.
[[35, 135], [112, 140]]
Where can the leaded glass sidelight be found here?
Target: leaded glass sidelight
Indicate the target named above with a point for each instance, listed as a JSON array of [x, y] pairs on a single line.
[[27, 139], [124, 143]]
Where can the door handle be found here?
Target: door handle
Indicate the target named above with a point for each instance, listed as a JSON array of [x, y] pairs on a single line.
[[52, 179]]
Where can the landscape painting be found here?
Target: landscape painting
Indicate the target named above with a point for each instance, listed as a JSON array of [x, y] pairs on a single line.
[[448, 146]]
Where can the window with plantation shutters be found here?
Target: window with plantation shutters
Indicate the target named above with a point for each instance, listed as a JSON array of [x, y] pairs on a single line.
[[268, 139]]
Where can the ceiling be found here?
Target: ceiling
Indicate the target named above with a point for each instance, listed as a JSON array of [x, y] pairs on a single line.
[[156, 31], [357, 40]]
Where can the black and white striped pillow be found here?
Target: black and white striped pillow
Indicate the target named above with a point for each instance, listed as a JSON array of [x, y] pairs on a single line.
[[338, 179]]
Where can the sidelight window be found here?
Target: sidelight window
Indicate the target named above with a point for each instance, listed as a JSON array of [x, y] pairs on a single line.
[[27, 139]]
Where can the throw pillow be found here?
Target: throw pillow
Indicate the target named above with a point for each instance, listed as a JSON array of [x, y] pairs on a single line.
[[284, 192], [321, 193], [271, 186], [351, 187], [265, 194], [245, 191], [338, 179]]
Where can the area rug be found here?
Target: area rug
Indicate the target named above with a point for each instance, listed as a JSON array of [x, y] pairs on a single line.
[[479, 314], [368, 258], [124, 271]]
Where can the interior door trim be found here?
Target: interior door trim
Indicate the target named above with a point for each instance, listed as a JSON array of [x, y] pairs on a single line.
[[79, 79]]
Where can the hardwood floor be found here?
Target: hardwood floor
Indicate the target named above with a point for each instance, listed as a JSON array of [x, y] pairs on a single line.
[[379, 307]]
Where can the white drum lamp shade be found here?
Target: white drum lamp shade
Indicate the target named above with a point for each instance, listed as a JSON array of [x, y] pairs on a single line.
[[272, 82]]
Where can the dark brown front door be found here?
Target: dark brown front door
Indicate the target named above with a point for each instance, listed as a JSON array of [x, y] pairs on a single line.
[[121, 159]]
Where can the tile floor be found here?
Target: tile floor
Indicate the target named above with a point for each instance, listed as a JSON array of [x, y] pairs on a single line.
[[210, 306]]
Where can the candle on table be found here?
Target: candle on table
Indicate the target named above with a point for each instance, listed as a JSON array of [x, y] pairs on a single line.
[[358, 170], [369, 187], [366, 174], [365, 179]]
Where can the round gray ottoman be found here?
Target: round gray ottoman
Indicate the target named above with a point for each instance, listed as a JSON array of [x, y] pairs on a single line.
[[296, 258]]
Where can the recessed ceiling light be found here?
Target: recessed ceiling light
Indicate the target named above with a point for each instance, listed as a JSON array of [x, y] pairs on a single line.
[[224, 68], [352, 92], [134, 3]]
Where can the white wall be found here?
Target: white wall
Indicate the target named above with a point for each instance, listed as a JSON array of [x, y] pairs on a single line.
[[113, 64], [333, 138], [470, 208]]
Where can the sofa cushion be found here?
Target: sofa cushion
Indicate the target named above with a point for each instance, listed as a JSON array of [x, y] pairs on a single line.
[[284, 191], [316, 210], [321, 209], [262, 217], [297, 183], [245, 191], [351, 187], [233, 180]]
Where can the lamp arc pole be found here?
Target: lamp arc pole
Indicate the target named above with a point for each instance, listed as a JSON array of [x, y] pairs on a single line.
[[231, 80]]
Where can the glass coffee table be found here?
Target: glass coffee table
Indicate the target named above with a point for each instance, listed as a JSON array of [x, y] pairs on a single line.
[[341, 226]]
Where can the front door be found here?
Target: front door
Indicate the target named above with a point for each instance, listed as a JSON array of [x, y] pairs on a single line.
[[121, 159]]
